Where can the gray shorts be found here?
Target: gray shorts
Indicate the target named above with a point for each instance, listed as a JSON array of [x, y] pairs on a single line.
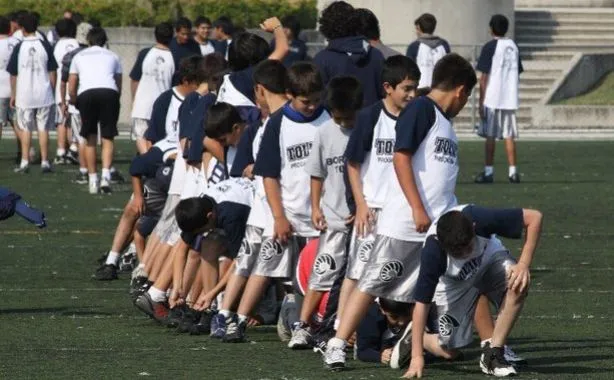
[[36, 119], [6, 113], [248, 253], [139, 127], [360, 250], [456, 300], [499, 124], [173, 234], [275, 260], [329, 261], [167, 218], [392, 269]]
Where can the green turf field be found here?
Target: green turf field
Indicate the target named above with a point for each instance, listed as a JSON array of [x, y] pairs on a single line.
[[57, 323]]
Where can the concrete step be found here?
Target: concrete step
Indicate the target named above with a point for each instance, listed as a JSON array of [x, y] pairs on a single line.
[[588, 47], [591, 13], [543, 65], [578, 39], [530, 98], [579, 23], [533, 89], [560, 57], [562, 30]]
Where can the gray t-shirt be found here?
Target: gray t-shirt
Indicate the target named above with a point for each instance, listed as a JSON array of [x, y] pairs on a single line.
[[327, 161], [386, 51]]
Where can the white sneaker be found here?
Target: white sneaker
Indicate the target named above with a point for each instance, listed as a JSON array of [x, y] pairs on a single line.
[[334, 357], [512, 357], [105, 186], [301, 338], [93, 187]]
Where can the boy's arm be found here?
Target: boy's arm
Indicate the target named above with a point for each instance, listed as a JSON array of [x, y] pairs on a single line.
[[206, 299], [317, 218], [519, 275], [416, 366], [483, 84], [179, 262], [484, 66], [73, 81], [281, 40], [13, 91], [283, 228], [53, 76], [402, 162]]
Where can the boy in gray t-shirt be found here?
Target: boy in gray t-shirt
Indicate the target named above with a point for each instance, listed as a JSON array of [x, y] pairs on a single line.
[[330, 213]]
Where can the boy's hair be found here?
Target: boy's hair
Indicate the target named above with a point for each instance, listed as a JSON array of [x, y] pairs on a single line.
[[189, 69], [334, 21], [292, 23], [499, 25], [272, 75], [426, 22], [95, 22], [28, 22], [304, 79], [211, 69], [5, 25], [452, 71], [77, 17], [201, 20], [66, 28], [14, 16], [37, 18], [368, 24], [395, 308], [398, 68], [163, 33], [455, 232], [191, 213], [183, 23], [247, 49], [97, 36], [224, 23], [423, 91], [221, 117], [344, 94]]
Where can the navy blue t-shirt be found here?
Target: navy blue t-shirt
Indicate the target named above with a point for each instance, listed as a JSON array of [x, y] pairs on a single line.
[[297, 52], [180, 52], [245, 153], [195, 127]]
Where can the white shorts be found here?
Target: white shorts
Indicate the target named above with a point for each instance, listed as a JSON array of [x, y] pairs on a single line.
[[329, 261], [36, 119], [360, 250], [75, 127], [248, 253], [139, 127], [499, 124]]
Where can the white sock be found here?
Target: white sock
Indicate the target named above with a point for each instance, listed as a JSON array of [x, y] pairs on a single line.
[[336, 324], [74, 148], [24, 163], [141, 266], [483, 343], [336, 342], [106, 174], [83, 170], [512, 171], [242, 318], [156, 294], [226, 313], [112, 258], [45, 164], [60, 152], [488, 170], [93, 178]]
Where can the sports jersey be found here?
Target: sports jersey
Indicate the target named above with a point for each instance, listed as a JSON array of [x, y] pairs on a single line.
[[153, 69], [426, 51], [97, 68], [206, 48], [31, 62], [18, 35], [193, 117], [62, 47], [438, 267], [422, 130], [286, 143], [500, 59], [164, 123], [6, 48], [237, 89], [245, 149], [326, 161], [372, 145]]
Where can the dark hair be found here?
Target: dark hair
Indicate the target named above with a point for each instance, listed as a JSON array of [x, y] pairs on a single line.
[[304, 79], [189, 69], [334, 21], [272, 75], [77, 17], [423, 91], [97, 37], [395, 308], [37, 18], [368, 24], [163, 33], [452, 71], [224, 23], [211, 69], [201, 20], [94, 22], [183, 23], [499, 24], [455, 232], [246, 50], [398, 68], [427, 23], [14, 16], [191, 213], [344, 94], [292, 22], [221, 117], [5, 25], [28, 22], [66, 28]]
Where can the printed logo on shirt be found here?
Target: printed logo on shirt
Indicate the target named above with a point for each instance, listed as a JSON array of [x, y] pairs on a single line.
[[166, 171], [384, 149], [269, 249], [323, 264], [447, 324], [469, 269], [445, 150], [510, 59], [32, 63], [391, 271], [246, 249], [338, 163], [297, 154], [364, 250]]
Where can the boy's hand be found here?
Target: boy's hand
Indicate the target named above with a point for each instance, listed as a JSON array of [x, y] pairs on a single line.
[[482, 112], [363, 221], [518, 278], [350, 219], [138, 205], [416, 366], [203, 302], [270, 24], [12, 102], [248, 172], [318, 220], [385, 356], [282, 230], [421, 220]]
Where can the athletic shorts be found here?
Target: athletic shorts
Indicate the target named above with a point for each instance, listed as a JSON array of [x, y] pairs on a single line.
[[139, 127], [392, 269], [167, 217], [499, 124], [456, 300], [248, 253], [275, 260], [360, 250], [59, 115], [329, 261], [35, 119], [75, 127], [6, 113], [99, 105], [146, 224]]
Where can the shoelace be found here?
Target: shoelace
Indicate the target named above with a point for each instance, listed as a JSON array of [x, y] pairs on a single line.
[[232, 328]]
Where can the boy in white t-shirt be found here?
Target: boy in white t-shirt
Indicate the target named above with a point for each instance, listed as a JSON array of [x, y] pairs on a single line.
[[7, 44], [500, 66], [427, 49]]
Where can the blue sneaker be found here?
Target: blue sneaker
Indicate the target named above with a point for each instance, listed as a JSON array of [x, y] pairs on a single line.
[[235, 330], [218, 326]]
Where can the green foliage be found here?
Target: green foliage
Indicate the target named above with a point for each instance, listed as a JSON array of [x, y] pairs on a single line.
[[246, 13]]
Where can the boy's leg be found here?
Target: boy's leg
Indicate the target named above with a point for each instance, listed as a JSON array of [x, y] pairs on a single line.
[[44, 121], [483, 319], [510, 134], [25, 123], [490, 130]]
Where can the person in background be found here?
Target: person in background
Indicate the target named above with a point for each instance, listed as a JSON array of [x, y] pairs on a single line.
[[368, 26], [297, 49], [7, 44], [203, 28], [183, 45], [427, 49], [52, 35], [223, 30]]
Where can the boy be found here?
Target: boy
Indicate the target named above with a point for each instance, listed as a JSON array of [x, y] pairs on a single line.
[[462, 259], [369, 27], [426, 166], [329, 211], [500, 66], [427, 49], [223, 30], [151, 75], [369, 156], [297, 49], [203, 27], [183, 45], [33, 76], [284, 150], [7, 44]]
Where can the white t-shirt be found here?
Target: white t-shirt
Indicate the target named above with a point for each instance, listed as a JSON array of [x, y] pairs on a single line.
[[63, 46], [6, 48], [207, 48], [260, 213], [19, 35], [96, 67], [172, 116], [501, 61], [154, 71]]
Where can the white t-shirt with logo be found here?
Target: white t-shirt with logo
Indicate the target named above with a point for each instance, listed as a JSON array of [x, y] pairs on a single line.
[[6, 48], [500, 59], [154, 71], [63, 46], [97, 68]]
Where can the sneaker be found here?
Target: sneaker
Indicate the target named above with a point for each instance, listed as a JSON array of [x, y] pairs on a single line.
[[334, 358], [59, 160], [493, 362], [138, 286], [105, 187], [45, 169], [401, 353], [483, 178], [301, 337], [175, 316], [116, 177], [93, 188], [514, 178], [107, 272], [204, 324], [190, 318], [156, 310], [72, 157], [512, 357], [127, 262], [22, 169], [81, 178], [218, 326], [235, 330]]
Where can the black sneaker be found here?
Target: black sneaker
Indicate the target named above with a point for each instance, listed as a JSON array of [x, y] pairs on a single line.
[[22, 169], [46, 169], [137, 285], [72, 157], [514, 178], [116, 177], [204, 324], [189, 319], [82, 178], [493, 362], [235, 330], [175, 316], [483, 178], [106, 272], [401, 353]]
